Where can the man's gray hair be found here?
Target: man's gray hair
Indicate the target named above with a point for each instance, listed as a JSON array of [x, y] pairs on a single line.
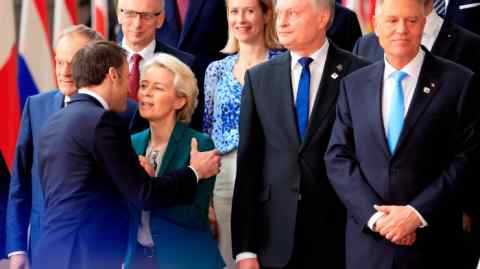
[[79, 29], [330, 4], [378, 8], [161, 2]]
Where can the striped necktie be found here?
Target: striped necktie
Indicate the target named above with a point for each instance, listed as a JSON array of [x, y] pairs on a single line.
[[440, 7]]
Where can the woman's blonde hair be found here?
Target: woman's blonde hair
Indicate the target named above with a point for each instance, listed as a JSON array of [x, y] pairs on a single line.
[[269, 33], [184, 82]]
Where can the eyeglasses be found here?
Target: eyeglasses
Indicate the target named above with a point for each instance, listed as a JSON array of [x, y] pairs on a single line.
[[147, 16]]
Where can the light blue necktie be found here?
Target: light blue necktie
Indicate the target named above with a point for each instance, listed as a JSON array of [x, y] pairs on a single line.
[[439, 6], [397, 110], [303, 96]]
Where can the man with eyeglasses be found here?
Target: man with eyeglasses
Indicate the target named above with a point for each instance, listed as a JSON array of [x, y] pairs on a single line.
[[139, 20]]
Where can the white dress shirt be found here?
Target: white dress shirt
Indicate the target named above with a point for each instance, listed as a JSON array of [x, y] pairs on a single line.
[[432, 29], [408, 85], [96, 96], [316, 71], [147, 53]]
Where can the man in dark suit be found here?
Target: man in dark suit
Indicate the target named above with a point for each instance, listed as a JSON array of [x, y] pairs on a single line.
[[25, 203], [198, 27], [285, 213], [89, 171], [404, 141], [442, 37], [345, 29], [4, 183], [139, 19], [466, 13]]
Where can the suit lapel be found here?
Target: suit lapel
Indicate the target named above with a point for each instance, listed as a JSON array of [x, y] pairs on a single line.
[[373, 100], [172, 147], [333, 71], [445, 39], [283, 87], [58, 100], [194, 7], [427, 86]]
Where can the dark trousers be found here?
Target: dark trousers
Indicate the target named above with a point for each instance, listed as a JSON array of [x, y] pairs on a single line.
[[144, 258]]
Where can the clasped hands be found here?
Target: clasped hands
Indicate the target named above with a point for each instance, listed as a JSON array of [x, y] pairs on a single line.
[[398, 224]]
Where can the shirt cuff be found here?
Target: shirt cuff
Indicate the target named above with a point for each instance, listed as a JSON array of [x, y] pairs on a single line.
[[373, 219], [20, 252], [195, 172], [424, 222], [245, 255]]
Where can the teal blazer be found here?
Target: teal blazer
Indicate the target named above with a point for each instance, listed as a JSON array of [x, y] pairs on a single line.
[[181, 233]]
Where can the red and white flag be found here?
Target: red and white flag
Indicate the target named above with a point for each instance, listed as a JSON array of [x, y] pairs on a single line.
[[365, 10], [65, 15], [9, 95], [100, 17]]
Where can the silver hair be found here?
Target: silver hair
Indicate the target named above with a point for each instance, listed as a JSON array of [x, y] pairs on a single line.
[[378, 8], [79, 29]]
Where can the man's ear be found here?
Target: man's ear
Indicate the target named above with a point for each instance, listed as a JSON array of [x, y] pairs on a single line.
[[113, 73], [160, 19]]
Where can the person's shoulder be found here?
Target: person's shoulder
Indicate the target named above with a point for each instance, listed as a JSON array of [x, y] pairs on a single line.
[[219, 66], [44, 96], [183, 56]]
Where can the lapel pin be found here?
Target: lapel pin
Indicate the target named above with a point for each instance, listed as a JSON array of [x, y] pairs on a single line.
[[334, 75], [339, 67], [426, 90]]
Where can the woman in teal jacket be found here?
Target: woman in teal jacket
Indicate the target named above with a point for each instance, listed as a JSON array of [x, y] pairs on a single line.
[[176, 237]]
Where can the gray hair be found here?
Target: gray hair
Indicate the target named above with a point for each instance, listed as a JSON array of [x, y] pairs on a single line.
[[378, 8], [329, 4], [79, 29], [161, 2], [184, 82]]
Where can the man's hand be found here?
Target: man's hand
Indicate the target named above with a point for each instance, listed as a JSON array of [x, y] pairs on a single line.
[[206, 164], [146, 165], [251, 263], [398, 222], [19, 261]]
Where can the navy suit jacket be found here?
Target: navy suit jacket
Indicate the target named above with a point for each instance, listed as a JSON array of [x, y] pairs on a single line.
[[275, 168], [466, 13], [435, 153], [453, 43], [345, 29], [25, 205], [88, 171], [138, 123], [4, 183]]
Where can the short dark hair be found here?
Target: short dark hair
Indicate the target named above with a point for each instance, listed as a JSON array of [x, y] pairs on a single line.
[[90, 64]]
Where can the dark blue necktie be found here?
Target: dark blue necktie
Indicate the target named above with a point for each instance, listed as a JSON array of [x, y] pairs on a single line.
[[439, 6], [397, 111], [303, 96]]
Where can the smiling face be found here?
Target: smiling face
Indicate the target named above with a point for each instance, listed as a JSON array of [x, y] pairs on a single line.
[[139, 30], [246, 20], [157, 97], [399, 26], [66, 48], [301, 25]]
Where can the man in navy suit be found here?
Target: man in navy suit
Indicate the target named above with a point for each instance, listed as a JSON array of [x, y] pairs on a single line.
[[285, 213], [404, 141], [4, 183], [345, 29], [466, 13], [139, 20], [25, 204], [89, 170], [442, 37]]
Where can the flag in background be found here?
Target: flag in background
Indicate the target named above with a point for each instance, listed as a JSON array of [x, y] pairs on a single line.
[[65, 15], [35, 61], [100, 16], [365, 10], [10, 107]]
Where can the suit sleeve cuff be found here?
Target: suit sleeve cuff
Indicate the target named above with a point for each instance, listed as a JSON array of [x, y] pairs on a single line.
[[20, 252], [373, 219], [424, 222], [245, 255], [195, 172]]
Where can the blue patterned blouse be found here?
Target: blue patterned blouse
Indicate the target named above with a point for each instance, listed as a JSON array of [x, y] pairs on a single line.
[[223, 93]]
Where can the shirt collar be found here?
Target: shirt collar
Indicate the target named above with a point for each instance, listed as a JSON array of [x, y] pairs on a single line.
[[412, 68], [433, 24], [96, 96], [316, 56], [146, 52]]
